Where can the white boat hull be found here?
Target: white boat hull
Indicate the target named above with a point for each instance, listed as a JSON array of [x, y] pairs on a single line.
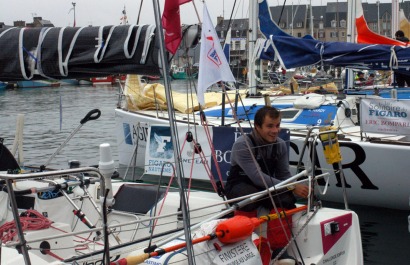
[[316, 241], [373, 171]]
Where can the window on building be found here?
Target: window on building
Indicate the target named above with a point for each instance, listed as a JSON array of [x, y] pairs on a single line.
[[321, 25], [299, 35], [333, 23], [299, 24], [282, 25], [343, 34], [333, 34], [386, 22], [321, 34], [222, 34], [343, 23], [237, 33], [243, 45]]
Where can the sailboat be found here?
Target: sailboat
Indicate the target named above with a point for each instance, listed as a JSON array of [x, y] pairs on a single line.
[[109, 233], [364, 152], [90, 234]]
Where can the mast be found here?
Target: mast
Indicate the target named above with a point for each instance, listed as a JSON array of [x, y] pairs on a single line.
[[73, 3], [311, 18], [394, 17], [351, 36], [173, 128], [351, 20], [253, 34]]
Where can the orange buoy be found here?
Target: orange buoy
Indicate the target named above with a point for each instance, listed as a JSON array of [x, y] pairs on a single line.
[[236, 229]]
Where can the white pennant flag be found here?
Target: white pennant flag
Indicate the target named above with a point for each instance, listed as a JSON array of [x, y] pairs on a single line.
[[213, 66]]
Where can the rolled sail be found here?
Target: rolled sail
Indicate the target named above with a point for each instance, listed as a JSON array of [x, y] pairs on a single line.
[[75, 52]]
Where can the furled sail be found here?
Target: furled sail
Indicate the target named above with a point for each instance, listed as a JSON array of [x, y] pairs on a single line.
[[296, 52], [267, 26], [373, 52], [74, 52]]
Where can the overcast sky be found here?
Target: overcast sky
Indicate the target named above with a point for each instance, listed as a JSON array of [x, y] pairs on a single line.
[[109, 12]]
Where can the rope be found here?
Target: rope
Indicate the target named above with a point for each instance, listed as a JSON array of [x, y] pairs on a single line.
[[205, 125], [394, 64], [293, 238], [30, 220], [48, 252]]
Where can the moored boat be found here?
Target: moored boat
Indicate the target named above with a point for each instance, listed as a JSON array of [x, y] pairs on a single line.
[[37, 83], [104, 80], [85, 82], [108, 80], [327, 234], [180, 73], [3, 85], [69, 82], [76, 228], [364, 151]]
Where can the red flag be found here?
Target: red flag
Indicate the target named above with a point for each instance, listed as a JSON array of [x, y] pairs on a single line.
[[171, 22]]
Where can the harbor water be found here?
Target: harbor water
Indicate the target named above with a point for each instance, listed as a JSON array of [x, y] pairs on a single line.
[[51, 115]]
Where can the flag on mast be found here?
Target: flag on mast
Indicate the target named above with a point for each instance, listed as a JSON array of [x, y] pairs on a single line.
[[213, 66], [171, 22], [227, 46], [124, 18]]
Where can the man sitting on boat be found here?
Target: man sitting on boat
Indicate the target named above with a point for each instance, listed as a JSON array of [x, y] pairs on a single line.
[[272, 167]]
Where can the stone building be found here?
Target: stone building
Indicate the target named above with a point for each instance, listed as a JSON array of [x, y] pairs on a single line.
[[37, 22]]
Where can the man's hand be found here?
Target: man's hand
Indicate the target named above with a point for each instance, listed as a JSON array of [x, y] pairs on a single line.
[[301, 190]]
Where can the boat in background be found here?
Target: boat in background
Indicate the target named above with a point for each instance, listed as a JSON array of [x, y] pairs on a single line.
[[105, 80], [69, 82], [85, 82], [181, 73], [364, 151], [108, 80], [37, 83], [3, 85], [151, 78]]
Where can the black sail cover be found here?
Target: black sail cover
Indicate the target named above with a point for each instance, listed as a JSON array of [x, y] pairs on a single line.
[[75, 52]]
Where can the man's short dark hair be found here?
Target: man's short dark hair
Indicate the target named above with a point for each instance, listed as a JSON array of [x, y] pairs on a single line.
[[399, 34], [260, 115]]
